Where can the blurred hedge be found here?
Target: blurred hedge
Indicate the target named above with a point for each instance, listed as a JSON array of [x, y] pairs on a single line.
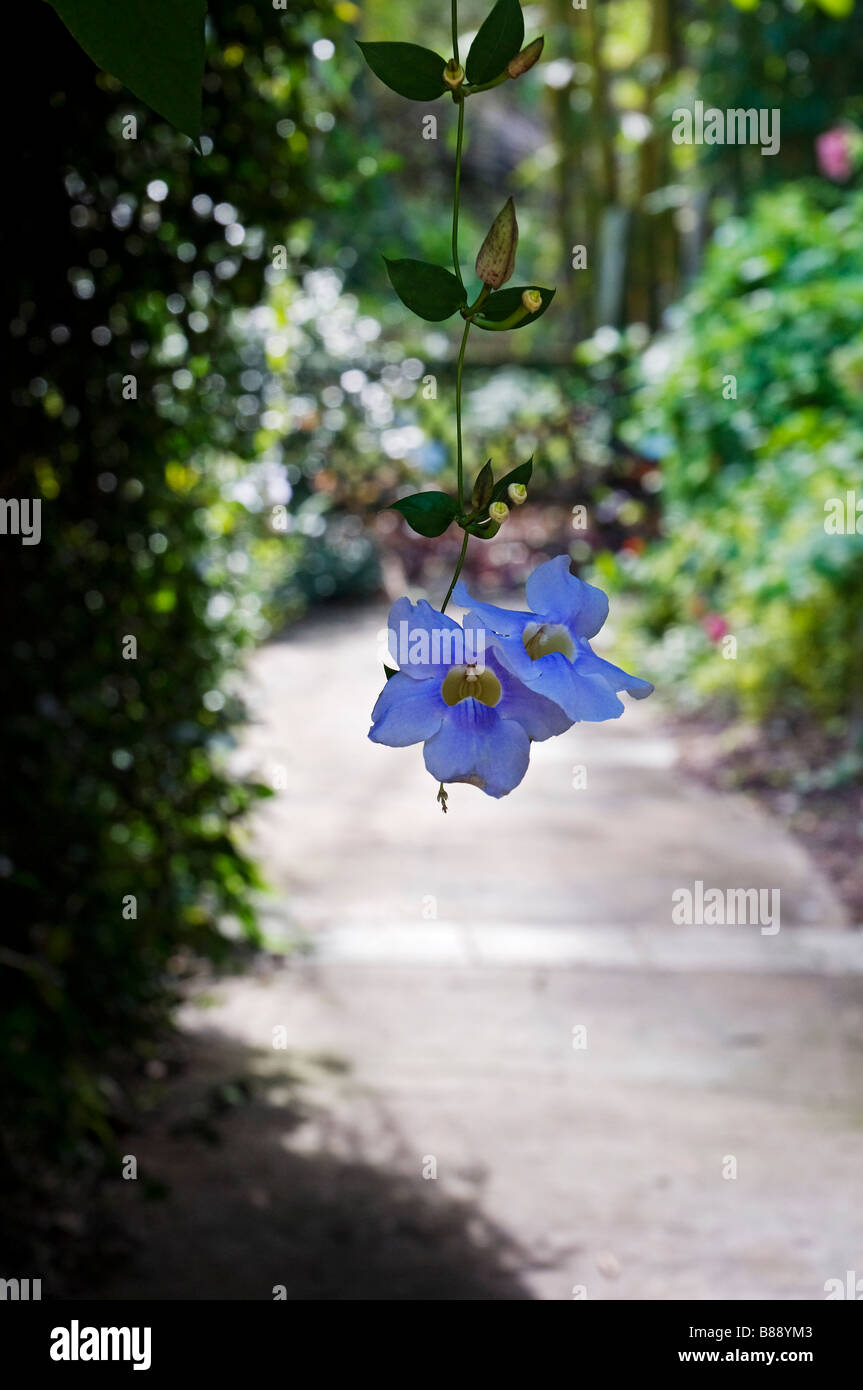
[[779, 308], [132, 258]]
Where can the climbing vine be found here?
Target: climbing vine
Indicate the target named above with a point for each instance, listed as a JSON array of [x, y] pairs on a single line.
[[477, 695]]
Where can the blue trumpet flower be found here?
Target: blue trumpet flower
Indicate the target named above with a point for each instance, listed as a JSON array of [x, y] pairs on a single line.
[[474, 717], [548, 648]]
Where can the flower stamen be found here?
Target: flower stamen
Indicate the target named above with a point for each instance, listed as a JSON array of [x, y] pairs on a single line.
[[467, 683], [542, 639]]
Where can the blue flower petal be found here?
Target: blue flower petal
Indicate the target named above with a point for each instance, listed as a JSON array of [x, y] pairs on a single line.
[[583, 689], [552, 592], [513, 654], [581, 696], [587, 661], [423, 642], [540, 718], [507, 622], [475, 745], [407, 711]]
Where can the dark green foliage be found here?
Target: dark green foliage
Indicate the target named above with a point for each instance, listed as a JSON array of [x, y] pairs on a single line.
[[485, 531], [411, 71], [155, 47], [427, 513], [114, 773], [502, 303], [429, 291], [521, 474], [499, 38], [483, 487]]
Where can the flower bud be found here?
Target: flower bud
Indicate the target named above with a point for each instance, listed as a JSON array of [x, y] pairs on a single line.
[[453, 74], [517, 494], [496, 260], [483, 488], [498, 511], [532, 300], [525, 59]]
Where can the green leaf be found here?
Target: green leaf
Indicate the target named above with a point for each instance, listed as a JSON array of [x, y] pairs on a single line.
[[428, 290], [521, 474], [413, 72], [484, 531], [154, 47], [483, 488], [499, 39], [427, 513], [502, 303]]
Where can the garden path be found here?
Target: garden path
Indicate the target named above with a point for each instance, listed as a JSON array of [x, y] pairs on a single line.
[[434, 1126]]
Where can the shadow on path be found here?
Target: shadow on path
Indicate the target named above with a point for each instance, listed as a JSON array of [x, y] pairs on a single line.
[[244, 1212]]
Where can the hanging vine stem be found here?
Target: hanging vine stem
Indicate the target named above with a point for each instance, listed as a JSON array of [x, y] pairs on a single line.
[[459, 147], [495, 56], [455, 206], [465, 736], [457, 572], [459, 95], [458, 98], [458, 436]]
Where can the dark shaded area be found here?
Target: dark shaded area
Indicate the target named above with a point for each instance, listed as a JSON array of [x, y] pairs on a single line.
[[129, 389], [240, 1214]]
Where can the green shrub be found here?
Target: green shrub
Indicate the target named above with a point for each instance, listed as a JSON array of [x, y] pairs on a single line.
[[778, 309], [133, 259]]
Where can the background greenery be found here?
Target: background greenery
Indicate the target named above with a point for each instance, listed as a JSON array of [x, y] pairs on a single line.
[[746, 480]]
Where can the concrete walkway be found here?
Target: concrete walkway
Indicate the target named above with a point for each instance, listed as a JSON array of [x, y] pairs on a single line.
[[497, 1069]]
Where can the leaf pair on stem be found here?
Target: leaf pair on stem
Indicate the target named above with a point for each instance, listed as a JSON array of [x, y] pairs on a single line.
[[431, 513], [418, 73]]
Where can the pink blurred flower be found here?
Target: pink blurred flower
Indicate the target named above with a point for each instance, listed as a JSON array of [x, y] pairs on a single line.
[[715, 626], [833, 152]]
